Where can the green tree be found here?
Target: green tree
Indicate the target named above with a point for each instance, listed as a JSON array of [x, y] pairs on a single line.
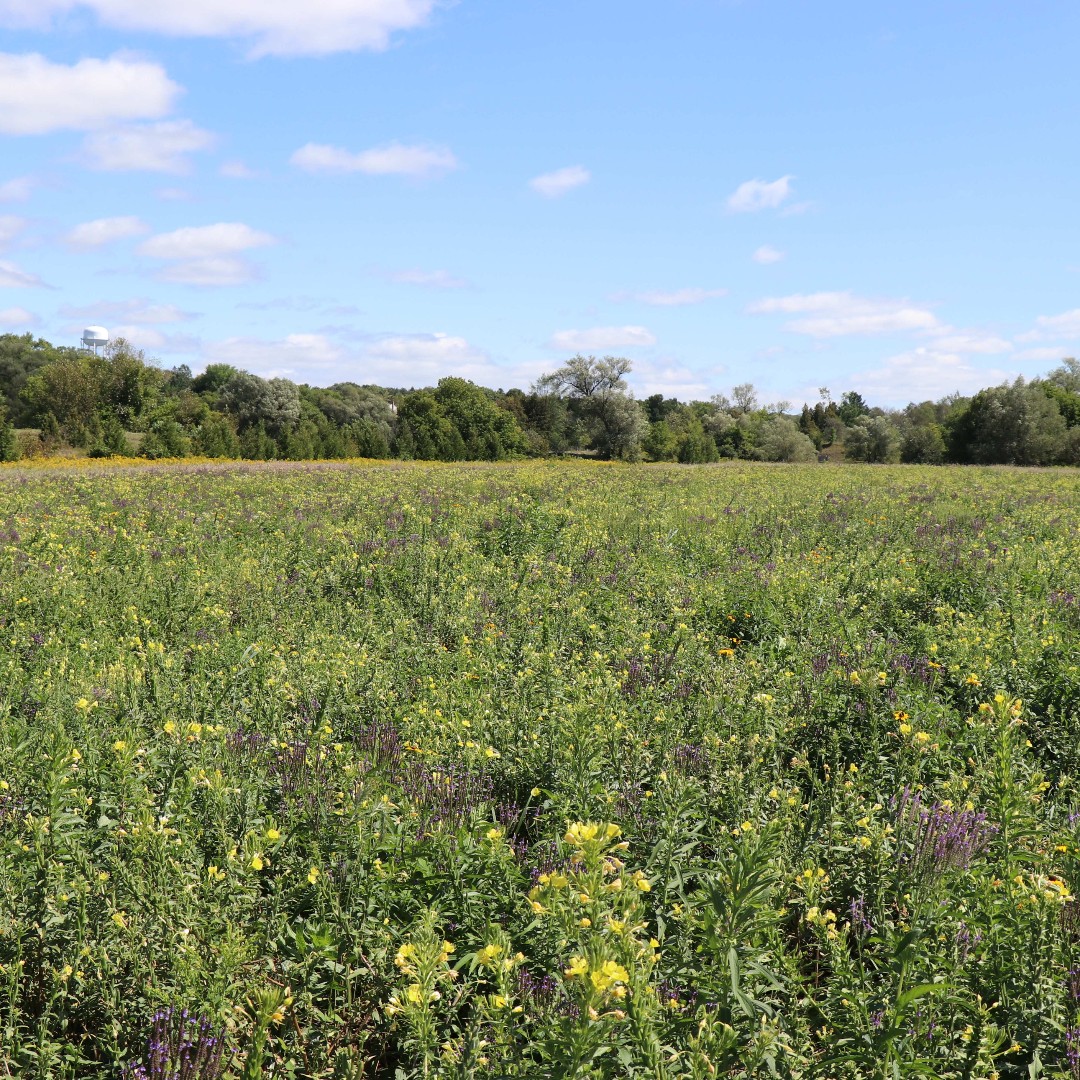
[[368, 439], [872, 439], [827, 420], [131, 384], [1067, 376], [586, 376], [77, 387], [107, 438], [1068, 401], [744, 398], [300, 443], [659, 408], [9, 444], [214, 379], [550, 428], [1012, 424], [696, 446], [165, 439], [808, 426], [923, 444], [661, 443], [852, 406], [250, 400], [72, 388], [50, 434], [21, 357], [781, 440], [256, 444], [430, 431], [178, 380], [618, 424], [488, 432], [216, 438]]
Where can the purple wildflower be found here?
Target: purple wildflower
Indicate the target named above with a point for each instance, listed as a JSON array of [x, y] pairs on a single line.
[[181, 1047]]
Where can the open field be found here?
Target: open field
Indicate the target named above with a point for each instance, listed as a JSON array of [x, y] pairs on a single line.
[[552, 770]]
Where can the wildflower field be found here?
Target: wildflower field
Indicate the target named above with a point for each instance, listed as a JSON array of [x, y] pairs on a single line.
[[550, 770]]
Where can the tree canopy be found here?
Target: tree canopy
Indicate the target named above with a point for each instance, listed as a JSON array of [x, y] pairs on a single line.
[[122, 401]]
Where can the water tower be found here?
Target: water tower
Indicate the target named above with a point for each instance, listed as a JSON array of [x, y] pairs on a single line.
[[95, 338]]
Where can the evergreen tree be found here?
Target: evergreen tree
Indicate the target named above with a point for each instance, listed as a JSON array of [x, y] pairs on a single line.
[[215, 438], [368, 440], [165, 439], [661, 443], [107, 439], [257, 445], [9, 444], [50, 434]]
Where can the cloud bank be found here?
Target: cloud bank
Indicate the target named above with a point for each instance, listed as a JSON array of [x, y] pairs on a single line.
[[269, 27]]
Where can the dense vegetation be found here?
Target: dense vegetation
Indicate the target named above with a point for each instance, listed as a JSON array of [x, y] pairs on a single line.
[[541, 770], [66, 397]]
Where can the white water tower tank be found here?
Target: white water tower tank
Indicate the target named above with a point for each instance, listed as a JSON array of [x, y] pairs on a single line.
[[95, 338]]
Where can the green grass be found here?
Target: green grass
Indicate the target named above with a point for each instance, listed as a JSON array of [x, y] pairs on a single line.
[[551, 770]]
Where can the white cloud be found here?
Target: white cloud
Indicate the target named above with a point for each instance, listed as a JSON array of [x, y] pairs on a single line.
[[754, 195], [210, 272], [1065, 325], [207, 255], [677, 297], [766, 255], [142, 312], [838, 314], [427, 279], [160, 147], [17, 318], [38, 96], [949, 339], [102, 231], [206, 241], [292, 355], [670, 379], [1053, 353], [17, 190], [408, 353], [923, 373], [10, 229], [393, 159], [552, 185], [389, 359], [602, 338], [273, 27], [143, 337], [12, 277], [237, 170]]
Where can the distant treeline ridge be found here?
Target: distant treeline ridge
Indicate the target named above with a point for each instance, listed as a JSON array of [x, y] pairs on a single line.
[[53, 398]]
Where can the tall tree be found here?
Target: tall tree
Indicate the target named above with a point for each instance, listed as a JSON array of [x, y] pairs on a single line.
[[9, 446], [1012, 424], [618, 422], [873, 439]]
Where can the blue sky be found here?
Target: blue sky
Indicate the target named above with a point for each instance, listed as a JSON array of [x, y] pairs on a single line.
[[879, 196]]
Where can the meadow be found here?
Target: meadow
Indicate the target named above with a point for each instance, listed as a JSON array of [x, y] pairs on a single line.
[[542, 770]]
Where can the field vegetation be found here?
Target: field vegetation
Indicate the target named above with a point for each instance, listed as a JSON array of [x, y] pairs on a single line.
[[540, 770]]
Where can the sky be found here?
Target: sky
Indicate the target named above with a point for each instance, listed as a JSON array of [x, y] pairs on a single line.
[[797, 194]]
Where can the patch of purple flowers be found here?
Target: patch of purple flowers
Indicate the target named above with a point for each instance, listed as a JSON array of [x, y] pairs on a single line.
[[942, 838], [181, 1047]]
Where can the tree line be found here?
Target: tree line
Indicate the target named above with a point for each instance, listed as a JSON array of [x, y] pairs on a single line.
[[121, 403]]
